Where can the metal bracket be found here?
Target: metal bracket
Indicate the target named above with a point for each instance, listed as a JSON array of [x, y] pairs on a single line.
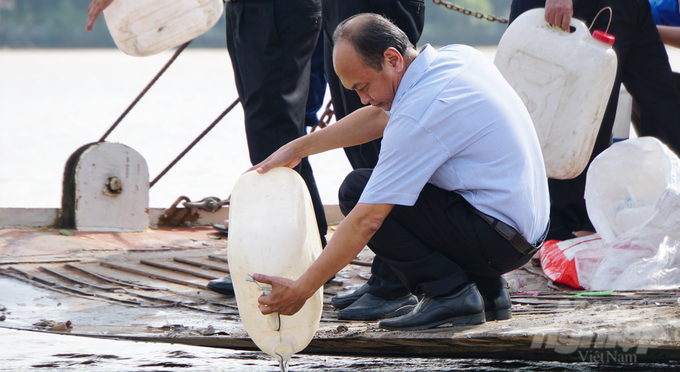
[[210, 204], [175, 217]]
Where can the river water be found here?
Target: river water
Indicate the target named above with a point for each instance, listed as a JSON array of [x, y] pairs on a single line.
[[33, 351], [54, 101]]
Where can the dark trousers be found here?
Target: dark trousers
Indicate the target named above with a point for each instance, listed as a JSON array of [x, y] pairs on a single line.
[[644, 70], [409, 16], [270, 43], [438, 245]]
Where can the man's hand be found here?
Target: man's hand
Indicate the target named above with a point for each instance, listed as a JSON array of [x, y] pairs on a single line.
[[94, 10], [283, 157], [285, 298], [559, 12]]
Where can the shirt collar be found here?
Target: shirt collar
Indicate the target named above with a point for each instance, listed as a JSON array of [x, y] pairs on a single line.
[[413, 72]]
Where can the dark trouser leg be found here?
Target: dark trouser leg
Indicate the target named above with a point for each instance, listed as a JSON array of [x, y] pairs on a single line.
[[384, 282], [648, 77], [636, 118], [270, 43], [643, 68], [438, 245]]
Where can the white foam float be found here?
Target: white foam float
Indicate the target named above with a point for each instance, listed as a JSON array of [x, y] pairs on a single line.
[[273, 231]]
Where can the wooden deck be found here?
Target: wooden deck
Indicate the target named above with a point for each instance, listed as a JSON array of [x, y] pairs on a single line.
[[151, 287]]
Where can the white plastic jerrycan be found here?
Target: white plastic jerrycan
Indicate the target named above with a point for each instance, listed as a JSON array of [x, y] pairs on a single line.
[[565, 80], [147, 27], [273, 231]]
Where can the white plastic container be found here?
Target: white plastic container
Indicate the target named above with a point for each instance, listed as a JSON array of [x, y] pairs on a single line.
[[565, 80], [273, 231], [147, 27]]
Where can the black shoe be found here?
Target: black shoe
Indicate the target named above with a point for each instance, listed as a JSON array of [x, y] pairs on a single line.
[[464, 307], [342, 301], [370, 307], [497, 305], [223, 286]]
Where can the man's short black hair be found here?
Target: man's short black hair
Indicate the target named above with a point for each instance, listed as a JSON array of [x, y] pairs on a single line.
[[370, 36]]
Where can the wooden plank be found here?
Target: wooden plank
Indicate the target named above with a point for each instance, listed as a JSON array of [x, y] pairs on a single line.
[[178, 269], [218, 258], [201, 264], [77, 291], [38, 262], [129, 269], [78, 281], [109, 280]]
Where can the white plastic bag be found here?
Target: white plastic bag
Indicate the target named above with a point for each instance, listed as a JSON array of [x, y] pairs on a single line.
[[633, 200]]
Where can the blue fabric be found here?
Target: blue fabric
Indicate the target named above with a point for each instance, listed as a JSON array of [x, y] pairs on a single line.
[[457, 124], [317, 85], [665, 12]]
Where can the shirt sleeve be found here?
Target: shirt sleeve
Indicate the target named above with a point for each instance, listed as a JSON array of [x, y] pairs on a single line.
[[409, 156]]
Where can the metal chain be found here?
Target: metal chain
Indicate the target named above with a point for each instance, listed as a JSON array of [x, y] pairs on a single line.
[[470, 12]]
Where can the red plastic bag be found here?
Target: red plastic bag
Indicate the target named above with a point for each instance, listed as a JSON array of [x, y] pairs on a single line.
[[564, 261]]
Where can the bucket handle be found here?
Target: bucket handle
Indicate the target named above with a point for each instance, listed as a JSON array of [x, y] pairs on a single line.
[[611, 15]]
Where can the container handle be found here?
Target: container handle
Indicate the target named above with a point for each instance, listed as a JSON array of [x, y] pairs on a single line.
[[611, 15], [580, 29]]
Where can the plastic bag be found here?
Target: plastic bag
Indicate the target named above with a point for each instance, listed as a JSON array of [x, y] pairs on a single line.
[[633, 200], [571, 262]]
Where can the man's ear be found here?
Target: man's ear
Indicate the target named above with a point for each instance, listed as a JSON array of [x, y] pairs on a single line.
[[393, 58]]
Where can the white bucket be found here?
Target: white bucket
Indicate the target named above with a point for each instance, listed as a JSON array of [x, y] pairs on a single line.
[[565, 80], [273, 231], [147, 27]]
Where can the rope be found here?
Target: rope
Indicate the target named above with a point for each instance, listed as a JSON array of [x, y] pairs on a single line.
[[611, 15], [148, 86], [225, 112]]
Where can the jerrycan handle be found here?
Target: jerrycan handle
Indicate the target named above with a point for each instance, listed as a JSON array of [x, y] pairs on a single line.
[[581, 31]]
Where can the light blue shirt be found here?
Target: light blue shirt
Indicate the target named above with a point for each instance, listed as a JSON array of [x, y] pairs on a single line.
[[457, 124]]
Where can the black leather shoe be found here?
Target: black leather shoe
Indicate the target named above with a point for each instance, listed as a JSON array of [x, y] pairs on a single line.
[[497, 305], [464, 307], [223, 286], [370, 307], [342, 301]]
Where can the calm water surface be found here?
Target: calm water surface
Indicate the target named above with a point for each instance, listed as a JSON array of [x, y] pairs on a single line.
[[33, 351]]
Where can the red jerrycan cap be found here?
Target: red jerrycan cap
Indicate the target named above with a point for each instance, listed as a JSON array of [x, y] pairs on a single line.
[[603, 37]]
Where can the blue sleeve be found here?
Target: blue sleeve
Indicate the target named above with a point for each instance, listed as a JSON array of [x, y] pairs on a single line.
[[665, 12]]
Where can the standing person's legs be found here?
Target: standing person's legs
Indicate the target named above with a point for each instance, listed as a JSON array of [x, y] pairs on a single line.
[[270, 43], [648, 77], [636, 116]]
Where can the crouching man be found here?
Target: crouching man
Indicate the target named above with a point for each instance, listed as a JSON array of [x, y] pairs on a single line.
[[459, 195]]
